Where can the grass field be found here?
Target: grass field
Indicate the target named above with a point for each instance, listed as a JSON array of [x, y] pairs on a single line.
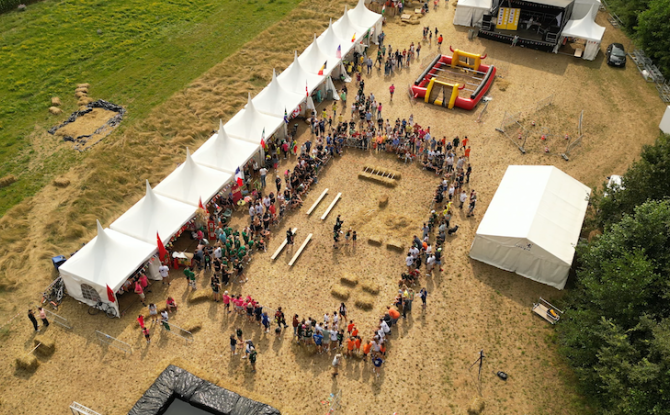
[[145, 52]]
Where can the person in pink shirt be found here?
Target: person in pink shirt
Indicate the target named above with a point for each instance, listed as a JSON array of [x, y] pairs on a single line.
[[226, 302], [145, 282], [391, 91], [140, 319], [140, 292]]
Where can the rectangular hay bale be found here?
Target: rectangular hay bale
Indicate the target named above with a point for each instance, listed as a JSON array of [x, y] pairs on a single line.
[[27, 362], [370, 287], [375, 240], [365, 302], [45, 347], [340, 292], [395, 246], [349, 279]]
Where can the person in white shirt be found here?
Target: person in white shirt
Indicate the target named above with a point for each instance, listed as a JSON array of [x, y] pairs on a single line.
[[165, 273], [263, 172], [252, 212], [463, 198], [336, 320], [409, 261]]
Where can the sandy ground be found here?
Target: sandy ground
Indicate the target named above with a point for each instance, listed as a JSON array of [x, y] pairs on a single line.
[[471, 306]]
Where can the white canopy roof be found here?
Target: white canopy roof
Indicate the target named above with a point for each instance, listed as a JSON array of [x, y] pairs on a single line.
[[471, 12], [533, 223], [248, 124], [586, 27], [153, 213], [582, 7], [295, 78], [312, 59], [346, 29], [108, 259], [555, 3], [329, 42], [190, 182], [362, 16], [274, 99], [224, 153]]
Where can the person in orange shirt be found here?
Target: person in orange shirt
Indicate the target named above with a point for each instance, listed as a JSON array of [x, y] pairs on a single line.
[[351, 326], [395, 315], [357, 345], [366, 350], [350, 346], [354, 332], [467, 153]]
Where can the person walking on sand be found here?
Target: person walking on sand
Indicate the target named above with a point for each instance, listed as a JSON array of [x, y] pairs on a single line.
[[147, 334], [233, 345], [140, 320], [336, 364], [140, 292], [424, 296], [462, 199], [391, 91], [31, 316], [153, 312], [253, 355], [164, 271]]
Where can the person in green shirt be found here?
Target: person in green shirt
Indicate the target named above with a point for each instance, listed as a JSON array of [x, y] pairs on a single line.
[[245, 236], [190, 276]]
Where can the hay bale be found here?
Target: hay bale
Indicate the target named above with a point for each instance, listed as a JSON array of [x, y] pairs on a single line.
[[45, 346], [375, 240], [61, 182], [370, 287], [84, 101], [27, 362], [193, 325], [82, 90], [350, 280], [476, 407], [80, 94], [7, 180], [377, 179], [55, 101], [365, 302], [55, 110], [83, 85], [198, 297], [383, 201], [395, 245], [340, 292]]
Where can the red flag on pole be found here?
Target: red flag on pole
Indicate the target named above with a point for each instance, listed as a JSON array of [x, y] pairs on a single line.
[[110, 295], [306, 89], [200, 205], [162, 252]]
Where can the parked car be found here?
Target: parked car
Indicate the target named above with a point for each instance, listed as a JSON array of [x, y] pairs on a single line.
[[616, 55]]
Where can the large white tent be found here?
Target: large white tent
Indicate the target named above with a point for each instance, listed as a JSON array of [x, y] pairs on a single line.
[[276, 100], [329, 42], [296, 79], [587, 29], [313, 59], [533, 224], [249, 123], [350, 32], [363, 17], [471, 12], [190, 182], [109, 259], [154, 213], [225, 153]]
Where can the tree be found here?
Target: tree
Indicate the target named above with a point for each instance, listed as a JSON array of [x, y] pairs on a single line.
[[653, 32], [616, 330]]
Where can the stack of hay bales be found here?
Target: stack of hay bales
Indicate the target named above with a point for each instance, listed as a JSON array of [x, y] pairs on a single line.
[[82, 94], [381, 171], [55, 103], [380, 175]]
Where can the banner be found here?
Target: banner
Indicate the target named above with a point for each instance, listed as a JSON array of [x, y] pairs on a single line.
[[508, 18]]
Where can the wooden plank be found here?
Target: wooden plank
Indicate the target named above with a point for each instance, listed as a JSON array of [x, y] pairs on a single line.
[[281, 247], [332, 205], [297, 254], [309, 212]]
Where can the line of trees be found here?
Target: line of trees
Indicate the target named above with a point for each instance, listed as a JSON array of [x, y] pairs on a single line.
[[647, 21], [616, 330]]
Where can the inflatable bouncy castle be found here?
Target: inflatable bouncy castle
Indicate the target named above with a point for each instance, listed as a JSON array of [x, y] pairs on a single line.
[[449, 77]]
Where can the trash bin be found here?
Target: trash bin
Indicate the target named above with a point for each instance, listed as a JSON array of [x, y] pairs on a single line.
[[58, 261], [329, 94]]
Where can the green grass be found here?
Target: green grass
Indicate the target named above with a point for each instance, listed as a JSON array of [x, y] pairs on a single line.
[[147, 50]]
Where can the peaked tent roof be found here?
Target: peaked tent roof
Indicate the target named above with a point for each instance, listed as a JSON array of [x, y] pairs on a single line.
[[586, 27], [362, 16], [153, 213], [108, 259], [477, 4], [274, 99], [191, 182], [224, 153], [346, 29], [329, 41], [312, 59], [295, 78], [248, 124]]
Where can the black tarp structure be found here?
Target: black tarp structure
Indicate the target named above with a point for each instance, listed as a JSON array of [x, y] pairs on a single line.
[[175, 382]]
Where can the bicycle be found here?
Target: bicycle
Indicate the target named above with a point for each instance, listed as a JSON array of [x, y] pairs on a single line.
[[109, 310], [54, 293]]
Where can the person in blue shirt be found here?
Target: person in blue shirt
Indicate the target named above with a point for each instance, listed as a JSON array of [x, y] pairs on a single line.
[[318, 341]]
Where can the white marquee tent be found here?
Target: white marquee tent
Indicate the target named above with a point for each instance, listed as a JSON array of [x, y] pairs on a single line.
[[313, 58], [191, 182], [295, 78], [471, 12], [329, 42], [274, 99], [533, 224], [109, 259], [249, 123], [154, 213], [224, 153], [350, 32], [582, 7], [363, 17], [587, 29]]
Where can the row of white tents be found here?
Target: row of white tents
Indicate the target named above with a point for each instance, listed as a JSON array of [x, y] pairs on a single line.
[[115, 254]]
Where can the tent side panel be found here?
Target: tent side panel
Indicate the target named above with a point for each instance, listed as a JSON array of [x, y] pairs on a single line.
[[493, 252]]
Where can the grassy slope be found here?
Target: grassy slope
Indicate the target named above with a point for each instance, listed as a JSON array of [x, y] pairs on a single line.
[[147, 51]]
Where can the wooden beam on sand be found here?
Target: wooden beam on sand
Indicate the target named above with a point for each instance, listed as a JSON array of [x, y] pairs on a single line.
[[309, 212], [281, 247], [297, 254], [332, 205]]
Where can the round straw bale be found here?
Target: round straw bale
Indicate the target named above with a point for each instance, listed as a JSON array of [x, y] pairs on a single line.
[[82, 90], [61, 182], [83, 85], [80, 94], [84, 101], [27, 362], [340, 292], [55, 110], [55, 101]]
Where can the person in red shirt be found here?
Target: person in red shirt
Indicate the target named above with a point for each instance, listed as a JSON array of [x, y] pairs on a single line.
[[465, 141], [357, 344], [366, 350], [395, 314], [391, 91], [351, 326], [350, 346], [467, 153]]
